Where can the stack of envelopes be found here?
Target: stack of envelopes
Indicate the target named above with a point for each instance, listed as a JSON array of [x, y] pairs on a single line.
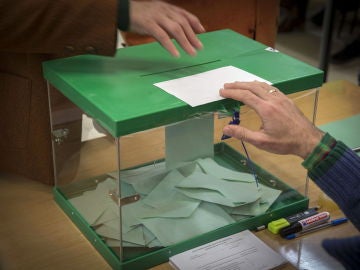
[[175, 205]]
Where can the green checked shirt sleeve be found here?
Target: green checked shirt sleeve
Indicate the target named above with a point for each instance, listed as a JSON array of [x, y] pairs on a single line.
[[335, 168], [320, 152]]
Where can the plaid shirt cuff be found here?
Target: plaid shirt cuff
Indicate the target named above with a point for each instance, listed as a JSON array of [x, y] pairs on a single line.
[[320, 152]]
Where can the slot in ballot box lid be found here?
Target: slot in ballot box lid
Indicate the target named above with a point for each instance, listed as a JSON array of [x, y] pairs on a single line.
[[119, 92]]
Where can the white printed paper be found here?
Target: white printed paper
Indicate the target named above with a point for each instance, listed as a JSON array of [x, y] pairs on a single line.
[[204, 87], [239, 251]]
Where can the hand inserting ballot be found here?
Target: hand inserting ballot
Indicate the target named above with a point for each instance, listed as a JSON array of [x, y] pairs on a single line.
[[164, 21], [284, 129]]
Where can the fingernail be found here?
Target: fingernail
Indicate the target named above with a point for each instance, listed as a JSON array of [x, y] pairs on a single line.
[[193, 52], [176, 54]]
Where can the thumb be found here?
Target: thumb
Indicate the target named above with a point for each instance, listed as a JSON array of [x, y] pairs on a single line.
[[238, 132], [255, 138]]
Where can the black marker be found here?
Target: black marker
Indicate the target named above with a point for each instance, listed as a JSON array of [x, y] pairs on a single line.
[[276, 225]]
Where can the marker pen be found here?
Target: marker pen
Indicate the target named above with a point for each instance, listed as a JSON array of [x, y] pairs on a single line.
[[327, 224], [305, 223], [276, 225]]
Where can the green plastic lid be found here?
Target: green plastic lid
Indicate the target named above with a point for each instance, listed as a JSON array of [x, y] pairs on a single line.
[[119, 93]]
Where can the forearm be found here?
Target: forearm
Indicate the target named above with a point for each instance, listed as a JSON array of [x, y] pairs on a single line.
[[58, 27], [337, 173]]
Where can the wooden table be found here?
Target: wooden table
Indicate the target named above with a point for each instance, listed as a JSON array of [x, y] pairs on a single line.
[[36, 234]]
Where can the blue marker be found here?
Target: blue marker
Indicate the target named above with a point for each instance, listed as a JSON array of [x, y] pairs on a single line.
[[331, 223]]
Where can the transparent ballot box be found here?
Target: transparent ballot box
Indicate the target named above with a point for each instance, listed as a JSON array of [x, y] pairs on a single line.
[[143, 174]]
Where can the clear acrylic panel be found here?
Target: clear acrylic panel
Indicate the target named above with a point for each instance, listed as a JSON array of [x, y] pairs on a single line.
[[173, 187]]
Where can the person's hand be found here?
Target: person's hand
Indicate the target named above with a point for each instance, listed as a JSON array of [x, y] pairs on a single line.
[[284, 129], [164, 21]]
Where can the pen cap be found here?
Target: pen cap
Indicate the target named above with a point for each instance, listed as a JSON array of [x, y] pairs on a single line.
[[338, 221], [276, 225], [293, 228]]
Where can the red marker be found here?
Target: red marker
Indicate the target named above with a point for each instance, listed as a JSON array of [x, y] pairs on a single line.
[[305, 223]]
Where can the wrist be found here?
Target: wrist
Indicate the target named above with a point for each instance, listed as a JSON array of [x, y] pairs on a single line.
[[311, 142]]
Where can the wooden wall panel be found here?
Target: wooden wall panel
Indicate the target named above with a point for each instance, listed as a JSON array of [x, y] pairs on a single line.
[[267, 12]]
